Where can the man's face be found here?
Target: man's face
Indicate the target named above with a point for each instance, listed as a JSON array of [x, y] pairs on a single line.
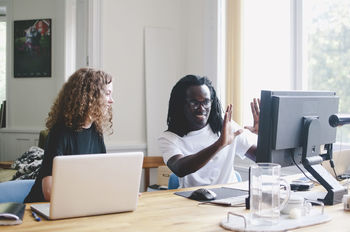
[[198, 106]]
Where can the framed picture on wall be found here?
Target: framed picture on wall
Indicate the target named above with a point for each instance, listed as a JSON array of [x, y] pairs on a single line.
[[32, 48]]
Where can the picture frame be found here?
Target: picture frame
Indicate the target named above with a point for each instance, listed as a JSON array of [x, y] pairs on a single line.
[[32, 48]]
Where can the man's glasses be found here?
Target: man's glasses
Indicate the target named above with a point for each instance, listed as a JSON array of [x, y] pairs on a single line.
[[194, 104]]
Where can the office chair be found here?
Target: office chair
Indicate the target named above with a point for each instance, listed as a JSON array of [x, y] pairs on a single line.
[[238, 176], [15, 190], [148, 163], [174, 180]]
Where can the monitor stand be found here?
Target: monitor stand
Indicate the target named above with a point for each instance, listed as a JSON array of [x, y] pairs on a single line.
[[311, 195], [312, 160]]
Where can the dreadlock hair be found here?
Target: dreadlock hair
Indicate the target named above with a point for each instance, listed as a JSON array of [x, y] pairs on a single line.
[[176, 120]]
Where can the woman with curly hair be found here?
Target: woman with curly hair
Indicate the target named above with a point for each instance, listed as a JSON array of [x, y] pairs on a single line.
[[77, 120]]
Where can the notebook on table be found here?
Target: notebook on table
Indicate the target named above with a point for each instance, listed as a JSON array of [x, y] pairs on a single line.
[[84, 185], [11, 213]]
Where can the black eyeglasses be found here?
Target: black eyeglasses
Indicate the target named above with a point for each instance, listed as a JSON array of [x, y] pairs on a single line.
[[194, 104]]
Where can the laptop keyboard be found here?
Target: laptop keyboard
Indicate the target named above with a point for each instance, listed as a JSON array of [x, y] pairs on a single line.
[[43, 209]]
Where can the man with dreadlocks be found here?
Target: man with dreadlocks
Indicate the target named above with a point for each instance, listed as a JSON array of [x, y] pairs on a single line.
[[199, 145]]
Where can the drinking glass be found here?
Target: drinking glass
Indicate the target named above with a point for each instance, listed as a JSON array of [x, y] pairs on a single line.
[[265, 193]]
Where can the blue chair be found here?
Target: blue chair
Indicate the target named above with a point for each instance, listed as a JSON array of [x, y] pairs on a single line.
[[173, 182], [15, 190], [238, 176]]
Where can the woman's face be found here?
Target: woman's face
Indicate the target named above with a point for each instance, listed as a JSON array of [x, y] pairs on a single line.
[[108, 95], [108, 104]]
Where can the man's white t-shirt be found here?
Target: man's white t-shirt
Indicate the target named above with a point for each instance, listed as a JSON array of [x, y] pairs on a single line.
[[219, 170]]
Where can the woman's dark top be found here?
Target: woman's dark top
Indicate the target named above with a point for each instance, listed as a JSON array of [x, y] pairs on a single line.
[[64, 141]]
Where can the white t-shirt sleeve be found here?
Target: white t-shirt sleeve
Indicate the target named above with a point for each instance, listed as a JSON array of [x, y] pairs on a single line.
[[244, 141], [168, 148]]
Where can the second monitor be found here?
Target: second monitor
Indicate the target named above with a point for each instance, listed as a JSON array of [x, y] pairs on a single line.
[[293, 127]]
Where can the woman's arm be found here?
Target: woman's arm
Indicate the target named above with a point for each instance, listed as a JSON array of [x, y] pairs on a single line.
[[46, 186]]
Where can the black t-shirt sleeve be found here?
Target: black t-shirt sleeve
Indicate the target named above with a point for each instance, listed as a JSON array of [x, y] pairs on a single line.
[[55, 146]]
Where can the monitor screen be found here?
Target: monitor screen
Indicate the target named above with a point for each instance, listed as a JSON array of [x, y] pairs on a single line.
[[281, 121]]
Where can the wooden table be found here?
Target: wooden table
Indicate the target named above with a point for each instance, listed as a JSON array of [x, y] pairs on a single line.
[[164, 211]]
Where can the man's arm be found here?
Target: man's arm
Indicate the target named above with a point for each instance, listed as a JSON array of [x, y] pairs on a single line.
[[183, 165], [251, 153]]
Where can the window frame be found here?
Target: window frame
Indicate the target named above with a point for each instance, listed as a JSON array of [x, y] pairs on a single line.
[[2, 20], [8, 18], [298, 82], [5, 18]]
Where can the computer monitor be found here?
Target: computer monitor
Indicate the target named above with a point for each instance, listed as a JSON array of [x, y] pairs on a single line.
[[295, 125]]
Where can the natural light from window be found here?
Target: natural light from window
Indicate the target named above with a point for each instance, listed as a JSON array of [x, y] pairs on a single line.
[[266, 49], [326, 60]]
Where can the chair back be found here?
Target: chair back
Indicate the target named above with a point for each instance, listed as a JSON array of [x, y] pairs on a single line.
[[42, 138], [150, 162], [15, 190]]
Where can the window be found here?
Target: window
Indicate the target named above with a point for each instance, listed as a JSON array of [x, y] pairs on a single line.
[[326, 55], [266, 39], [296, 45]]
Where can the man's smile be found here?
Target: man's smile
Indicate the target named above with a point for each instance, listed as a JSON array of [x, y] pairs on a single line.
[[201, 116]]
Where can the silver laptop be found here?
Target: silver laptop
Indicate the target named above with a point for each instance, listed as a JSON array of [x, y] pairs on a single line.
[[84, 185]]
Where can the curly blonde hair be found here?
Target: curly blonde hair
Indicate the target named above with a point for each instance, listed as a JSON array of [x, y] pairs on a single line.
[[83, 97]]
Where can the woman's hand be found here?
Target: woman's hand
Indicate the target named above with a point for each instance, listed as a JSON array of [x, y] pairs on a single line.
[[255, 107]]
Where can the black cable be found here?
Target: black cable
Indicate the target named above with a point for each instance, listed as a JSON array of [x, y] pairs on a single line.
[[295, 163], [333, 167], [222, 204]]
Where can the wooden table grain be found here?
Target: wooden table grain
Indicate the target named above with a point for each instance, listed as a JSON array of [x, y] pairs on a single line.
[[165, 211]]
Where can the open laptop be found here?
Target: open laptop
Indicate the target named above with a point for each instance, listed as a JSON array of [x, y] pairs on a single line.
[[84, 185]]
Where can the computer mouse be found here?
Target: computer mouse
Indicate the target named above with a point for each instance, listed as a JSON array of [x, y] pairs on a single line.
[[203, 194]]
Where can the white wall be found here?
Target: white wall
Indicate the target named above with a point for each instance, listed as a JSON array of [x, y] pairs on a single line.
[[193, 23], [123, 56], [124, 22], [128, 52], [29, 99], [201, 38]]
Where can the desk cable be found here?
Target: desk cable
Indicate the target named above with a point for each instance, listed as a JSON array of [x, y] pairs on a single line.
[[295, 163], [333, 168], [222, 204]]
